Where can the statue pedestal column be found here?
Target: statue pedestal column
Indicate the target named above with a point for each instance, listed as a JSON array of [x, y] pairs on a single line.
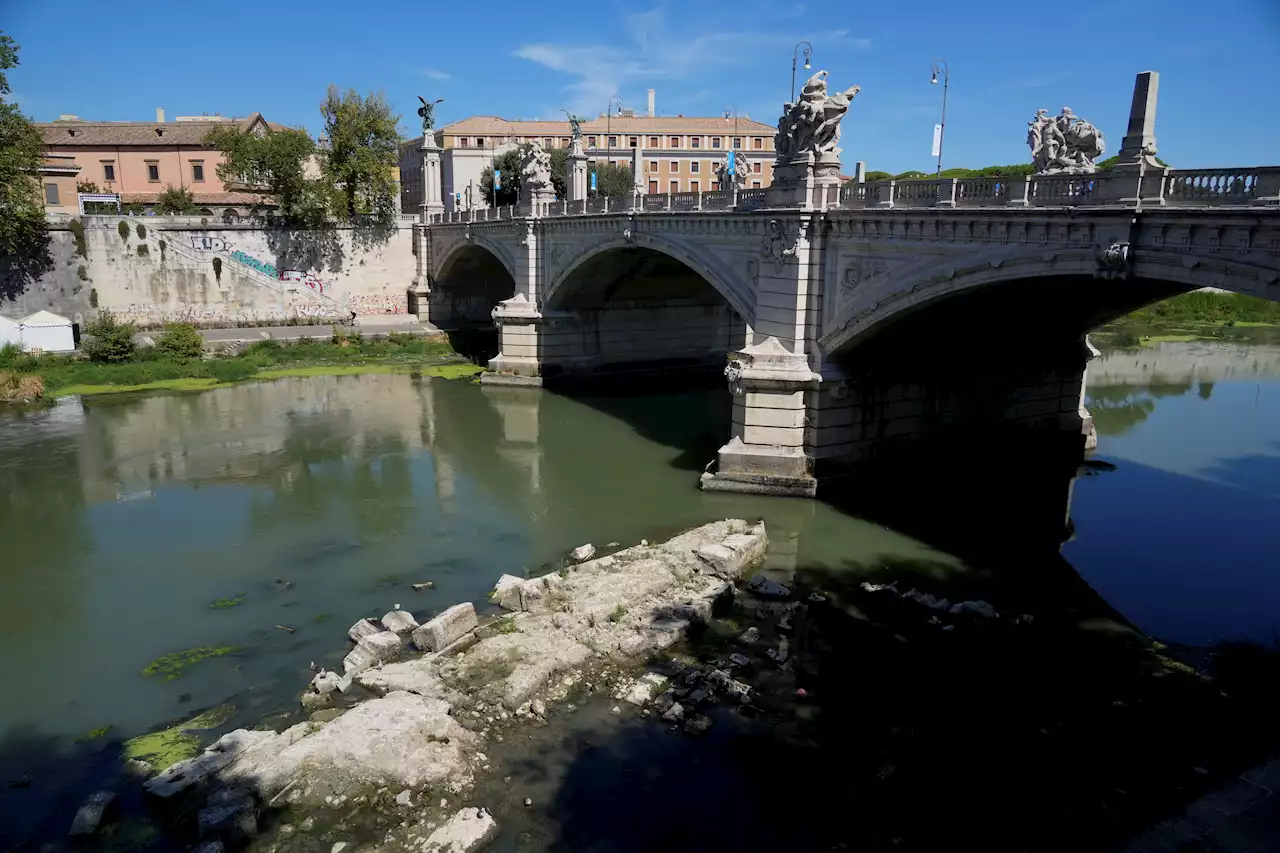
[[432, 197], [766, 454], [793, 183], [576, 185]]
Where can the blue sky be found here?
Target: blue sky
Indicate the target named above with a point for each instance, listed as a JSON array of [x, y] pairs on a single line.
[[1219, 63]]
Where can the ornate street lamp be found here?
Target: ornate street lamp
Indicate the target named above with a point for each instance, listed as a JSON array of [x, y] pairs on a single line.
[[941, 65], [808, 52]]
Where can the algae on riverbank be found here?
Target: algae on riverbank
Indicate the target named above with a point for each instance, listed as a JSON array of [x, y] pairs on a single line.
[[171, 666]]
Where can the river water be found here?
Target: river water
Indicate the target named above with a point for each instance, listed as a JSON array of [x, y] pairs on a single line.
[[315, 501]]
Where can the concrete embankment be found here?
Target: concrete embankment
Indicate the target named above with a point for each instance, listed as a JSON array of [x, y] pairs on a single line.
[[420, 739]]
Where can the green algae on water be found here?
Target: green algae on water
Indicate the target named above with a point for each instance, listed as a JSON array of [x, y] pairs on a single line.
[[223, 603], [171, 666], [95, 734], [176, 743]]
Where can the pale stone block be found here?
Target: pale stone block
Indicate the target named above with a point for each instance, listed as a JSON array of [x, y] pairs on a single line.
[[372, 649], [361, 629], [778, 436], [785, 418], [448, 627], [773, 400], [466, 832], [399, 621]]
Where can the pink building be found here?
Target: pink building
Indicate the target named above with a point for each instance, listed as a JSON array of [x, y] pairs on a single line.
[[139, 160]]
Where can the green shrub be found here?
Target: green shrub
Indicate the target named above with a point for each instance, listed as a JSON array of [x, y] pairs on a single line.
[[93, 297], [108, 340], [180, 342], [217, 269], [163, 246], [123, 228], [83, 272], [143, 251], [77, 230], [9, 353], [176, 200], [142, 231]]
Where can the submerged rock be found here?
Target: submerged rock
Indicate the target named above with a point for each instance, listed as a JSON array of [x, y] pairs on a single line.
[[763, 586], [89, 817], [230, 816]]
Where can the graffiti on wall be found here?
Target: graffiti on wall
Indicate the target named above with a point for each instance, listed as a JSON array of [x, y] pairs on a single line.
[[300, 277], [253, 263], [210, 244], [376, 303]]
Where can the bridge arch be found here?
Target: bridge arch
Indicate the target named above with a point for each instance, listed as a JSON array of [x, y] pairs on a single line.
[[469, 283], [719, 274], [1108, 293], [451, 255]]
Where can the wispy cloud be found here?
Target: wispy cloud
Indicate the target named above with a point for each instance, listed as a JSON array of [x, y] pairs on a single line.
[[652, 49], [435, 73]]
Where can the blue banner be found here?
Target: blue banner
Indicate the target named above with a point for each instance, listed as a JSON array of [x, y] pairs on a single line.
[[593, 181], [731, 167], [497, 179]]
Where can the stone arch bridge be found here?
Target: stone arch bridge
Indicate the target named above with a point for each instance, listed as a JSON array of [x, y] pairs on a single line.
[[854, 320]]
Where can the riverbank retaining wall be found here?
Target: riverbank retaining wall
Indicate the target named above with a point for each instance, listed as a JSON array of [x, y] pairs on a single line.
[[151, 271]]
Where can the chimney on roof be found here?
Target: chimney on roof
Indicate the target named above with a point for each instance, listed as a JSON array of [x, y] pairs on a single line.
[[650, 103], [68, 117], [159, 115]]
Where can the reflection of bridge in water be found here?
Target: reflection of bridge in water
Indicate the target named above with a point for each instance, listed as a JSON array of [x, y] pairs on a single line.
[[826, 294]]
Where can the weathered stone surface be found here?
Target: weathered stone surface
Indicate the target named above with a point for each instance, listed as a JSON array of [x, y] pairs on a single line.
[[89, 816], [506, 592], [467, 831], [582, 553], [448, 627], [645, 688], [362, 628], [326, 682], [372, 649], [414, 676], [510, 668], [221, 754], [399, 621]]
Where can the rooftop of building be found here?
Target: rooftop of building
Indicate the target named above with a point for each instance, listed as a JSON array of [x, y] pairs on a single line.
[[618, 124], [71, 130]]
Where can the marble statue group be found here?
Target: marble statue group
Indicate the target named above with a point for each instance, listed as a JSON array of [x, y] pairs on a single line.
[[812, 126], [1064, 145]]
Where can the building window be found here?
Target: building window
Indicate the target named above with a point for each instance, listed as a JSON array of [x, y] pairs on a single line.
[[715, 185], [153, 171], [675, 142], [715, 142], [694, 186], [653, 165], [737, 142], [633, 141], [695, 142], [464, 142], [197, 171], [755, 185], [479, 141], [653, 188], [675, 166], [694, 166], [653, 142], [50, 193], [757, 143], [674, 187], [546, 142], [755, 167], [108, 171], [613, 142], [564, 142], [591, 141]]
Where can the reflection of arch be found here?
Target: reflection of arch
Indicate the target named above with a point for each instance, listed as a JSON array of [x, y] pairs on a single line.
[[477, 240], [705, 263], [1162, 274]]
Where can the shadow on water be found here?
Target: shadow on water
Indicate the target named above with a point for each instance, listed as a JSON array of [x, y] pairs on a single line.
[[1070, 731]]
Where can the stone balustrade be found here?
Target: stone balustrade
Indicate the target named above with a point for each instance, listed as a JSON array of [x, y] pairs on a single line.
[[1168, 187]]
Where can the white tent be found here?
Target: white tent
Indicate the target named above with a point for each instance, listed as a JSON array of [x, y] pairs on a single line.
[[47, 332], [9, 332]]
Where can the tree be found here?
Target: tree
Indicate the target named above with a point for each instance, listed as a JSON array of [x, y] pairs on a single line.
[[176, 200], [107, 339], [24, 236], [508, 163], [1110, 162], [273, 164], [364, 148], [614, 180]]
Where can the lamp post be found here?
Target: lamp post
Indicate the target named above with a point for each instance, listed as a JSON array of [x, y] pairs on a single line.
[[731, 110], [941, 65], [808, 52], [608, 128]]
